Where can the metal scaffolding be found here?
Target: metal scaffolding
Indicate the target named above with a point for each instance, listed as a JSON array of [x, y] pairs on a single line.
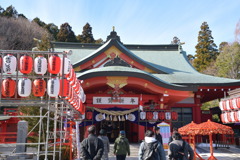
[[58, 111]]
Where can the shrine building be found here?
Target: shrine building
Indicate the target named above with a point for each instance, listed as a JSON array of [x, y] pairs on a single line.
[[135, 87]]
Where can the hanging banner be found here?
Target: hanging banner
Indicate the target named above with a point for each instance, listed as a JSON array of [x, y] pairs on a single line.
[[120, 100], [165, 132]]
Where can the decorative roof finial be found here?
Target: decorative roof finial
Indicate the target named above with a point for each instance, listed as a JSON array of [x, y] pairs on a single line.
[[113, 28]]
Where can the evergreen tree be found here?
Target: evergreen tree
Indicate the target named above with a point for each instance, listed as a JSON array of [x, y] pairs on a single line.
[[87, 36], [66, 34], [10, 12], [39, 22], [221, 46], [206, 49], [52, 29]]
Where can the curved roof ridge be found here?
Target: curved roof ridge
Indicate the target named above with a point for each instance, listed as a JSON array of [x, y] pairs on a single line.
[[132, 72], [122, 48]]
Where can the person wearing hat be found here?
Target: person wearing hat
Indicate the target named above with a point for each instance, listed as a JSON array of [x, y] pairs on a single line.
[[92, 147], [121, 146], [158, 135], [104, 138]]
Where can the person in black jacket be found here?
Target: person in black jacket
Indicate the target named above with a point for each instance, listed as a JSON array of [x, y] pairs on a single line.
[[92, 147], [158, 136]]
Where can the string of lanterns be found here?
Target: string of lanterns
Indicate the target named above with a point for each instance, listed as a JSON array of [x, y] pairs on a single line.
[[230, 110], [67, 87]]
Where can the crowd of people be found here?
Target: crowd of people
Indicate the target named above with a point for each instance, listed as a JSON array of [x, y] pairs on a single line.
[[151, 148]]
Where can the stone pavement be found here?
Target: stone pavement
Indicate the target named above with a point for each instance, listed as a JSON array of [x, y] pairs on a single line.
[[233, 153]]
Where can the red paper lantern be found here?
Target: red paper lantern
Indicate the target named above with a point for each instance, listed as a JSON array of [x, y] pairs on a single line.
[[89, 115], [64, 88], [82, 109], [8, 87], [234, 103], [25, 64], [236, 116], [174, 116], [39, 87], [149, 115], [161, 115], [54, 64]]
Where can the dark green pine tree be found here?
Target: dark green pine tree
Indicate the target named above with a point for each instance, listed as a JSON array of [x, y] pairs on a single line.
[[39, 22], [86, 36], [52, 29], [66, 34], [206, 49], [9, 12]]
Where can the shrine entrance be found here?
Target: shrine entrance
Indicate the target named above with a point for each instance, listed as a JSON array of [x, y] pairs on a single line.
[[114, 127]]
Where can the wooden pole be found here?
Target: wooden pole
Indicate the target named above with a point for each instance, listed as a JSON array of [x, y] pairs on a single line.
[[211, 148]]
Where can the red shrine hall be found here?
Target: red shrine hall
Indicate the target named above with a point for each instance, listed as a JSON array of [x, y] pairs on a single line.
[[135, 87]]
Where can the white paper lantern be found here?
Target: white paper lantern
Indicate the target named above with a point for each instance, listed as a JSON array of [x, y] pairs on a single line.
[[221, 105], [40, 65], [53, 87], [238, 115], [228, 105], [82, 95], [67, 66], [232, 117], [234, 103], [143, 115], [24, 87], [9, 64], [168, 115], [155, 115], [226, 117]]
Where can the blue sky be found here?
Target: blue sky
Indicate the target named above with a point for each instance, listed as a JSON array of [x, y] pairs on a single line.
[[139, 21]]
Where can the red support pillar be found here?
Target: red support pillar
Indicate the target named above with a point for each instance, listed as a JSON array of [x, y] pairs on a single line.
[[141, 132]]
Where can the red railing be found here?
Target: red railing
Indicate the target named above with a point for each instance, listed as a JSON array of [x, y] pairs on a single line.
[[8, 137]]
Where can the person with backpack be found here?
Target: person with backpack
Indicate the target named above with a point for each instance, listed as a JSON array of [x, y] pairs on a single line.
[[171, 138], [92, 147], [121, 146], [179, 149], [151, 148], [104, 138]]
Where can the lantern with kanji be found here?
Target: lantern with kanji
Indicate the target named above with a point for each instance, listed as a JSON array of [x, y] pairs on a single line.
[[143, 115], [222, 105], [40, 65], [64, 88], [174, 115], [54, 64], [149, 115], [39, 87], [168, 115], [161, 115], [155, 115], [9, 64], [53, 87], [232, 117], [66, 67], [228, 105], [8, 87], [25, 64], [24, 87], [89, 115], [238, 102]]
